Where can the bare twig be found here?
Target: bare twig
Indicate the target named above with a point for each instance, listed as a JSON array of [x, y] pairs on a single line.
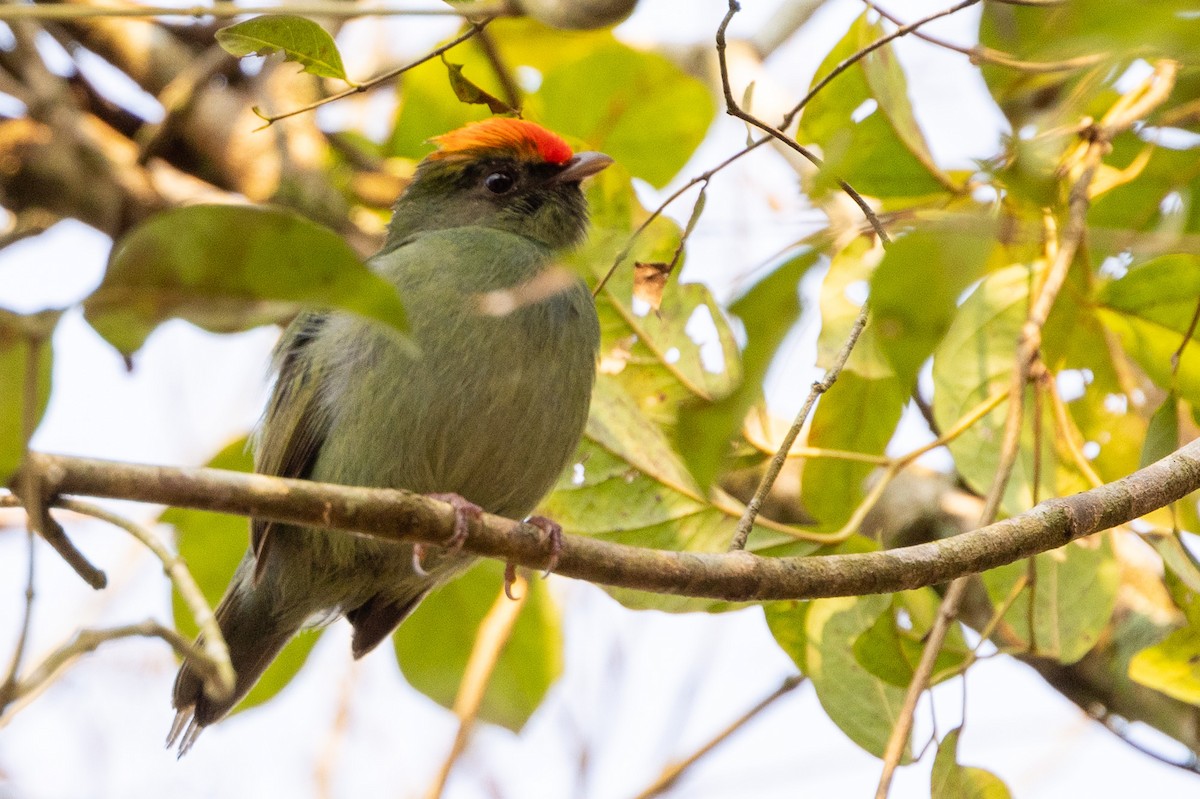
[[493, 635], [673, 771], [212, 659], [746, 523], [1187, 337], [981, 54], [86, 641], [773, 134], [371, 83], [225, 10]]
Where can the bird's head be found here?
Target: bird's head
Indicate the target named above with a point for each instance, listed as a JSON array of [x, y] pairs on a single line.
[[503, 173]]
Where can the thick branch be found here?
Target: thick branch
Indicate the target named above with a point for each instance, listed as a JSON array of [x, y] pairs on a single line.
[[736, 576]]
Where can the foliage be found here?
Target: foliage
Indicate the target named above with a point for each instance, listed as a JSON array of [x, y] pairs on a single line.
[[1116, 382]]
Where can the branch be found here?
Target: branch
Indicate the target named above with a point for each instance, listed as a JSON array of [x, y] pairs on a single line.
[[736, 577], [673, 771], [225, 10], [86, 641], [358, 88]]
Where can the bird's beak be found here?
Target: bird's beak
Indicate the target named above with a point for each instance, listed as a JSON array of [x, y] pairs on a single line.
[[581, 166]]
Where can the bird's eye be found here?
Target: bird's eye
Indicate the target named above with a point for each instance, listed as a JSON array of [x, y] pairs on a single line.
[[499, 182]]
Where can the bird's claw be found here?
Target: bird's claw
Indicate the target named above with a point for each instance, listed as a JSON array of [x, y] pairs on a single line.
[[554, 531], [418, 552], [465, 512], [510, 577]]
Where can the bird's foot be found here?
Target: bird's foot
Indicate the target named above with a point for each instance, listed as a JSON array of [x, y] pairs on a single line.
[[554, 531], [465, 512], [510, 577]]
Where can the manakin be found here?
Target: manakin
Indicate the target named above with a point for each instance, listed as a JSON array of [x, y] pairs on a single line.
[[487, 411]]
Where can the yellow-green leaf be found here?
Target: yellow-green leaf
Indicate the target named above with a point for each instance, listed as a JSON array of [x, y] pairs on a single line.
[[299, 39], [22, 338]]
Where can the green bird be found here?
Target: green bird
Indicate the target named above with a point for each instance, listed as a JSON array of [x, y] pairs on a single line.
[[486, 411]]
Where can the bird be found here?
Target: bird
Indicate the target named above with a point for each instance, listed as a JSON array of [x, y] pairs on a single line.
[[485, 411]]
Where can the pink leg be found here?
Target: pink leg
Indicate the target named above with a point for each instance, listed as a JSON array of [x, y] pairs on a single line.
[[554, 530], [464, 512]]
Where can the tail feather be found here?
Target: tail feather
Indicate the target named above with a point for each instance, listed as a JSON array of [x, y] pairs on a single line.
[[255, 633]]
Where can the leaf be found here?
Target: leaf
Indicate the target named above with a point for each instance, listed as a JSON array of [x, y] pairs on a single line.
[[974, 361], [787, 621], [768, 311], [299, 39], [864, 706], [212, 545], [937, 267], [22, 337], [864, 125], [471, 93], [1150, 309], [649, 280], [1171, 666], [627, 103], [949, 780], [1162, 435], [228, 268], [435, 643], [856, 415], [1074, 593]]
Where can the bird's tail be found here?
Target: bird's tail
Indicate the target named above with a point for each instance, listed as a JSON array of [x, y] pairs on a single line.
[[255, 631]]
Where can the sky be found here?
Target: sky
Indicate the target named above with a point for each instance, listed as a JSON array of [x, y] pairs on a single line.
[[639, 689]]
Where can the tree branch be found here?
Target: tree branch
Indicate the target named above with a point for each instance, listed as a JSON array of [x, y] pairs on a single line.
[[735, 577]]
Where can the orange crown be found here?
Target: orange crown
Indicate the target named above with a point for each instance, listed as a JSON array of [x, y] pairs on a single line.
[[525, 139]]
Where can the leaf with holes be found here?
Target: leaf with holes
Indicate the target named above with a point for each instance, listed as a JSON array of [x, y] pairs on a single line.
[[299, 39]]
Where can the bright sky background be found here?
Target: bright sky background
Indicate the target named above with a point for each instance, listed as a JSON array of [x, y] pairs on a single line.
[[639, 689]]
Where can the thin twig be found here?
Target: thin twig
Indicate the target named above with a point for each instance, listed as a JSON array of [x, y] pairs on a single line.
[[1127, 110], [86, 641], [733, 109], [225, 10], [1187, 337], [493, 635], [773, 134], [212, 659], [981, 54], [371, 83], [673, 771], [746, 523]]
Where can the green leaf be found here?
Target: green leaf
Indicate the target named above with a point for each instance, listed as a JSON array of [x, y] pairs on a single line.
[[937, 267], [768, 311], [949, 780], [787, 621], [228, 268], [1074, 593], [1162, 435], [471, 93], [856, 415], [1150, 309], [22, 337], [883, 153], [435, 643], [212, 545], [975, 361], [299, 39], [864, 706], [1171, 666], [627, 103]]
